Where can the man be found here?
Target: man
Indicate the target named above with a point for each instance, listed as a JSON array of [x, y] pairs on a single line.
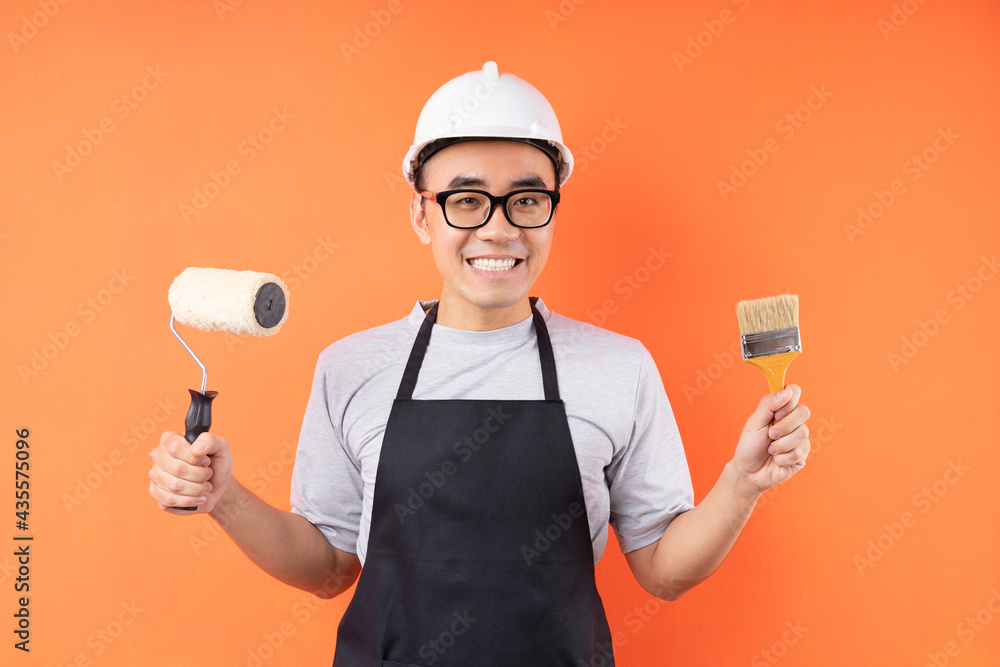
[[472, 454]]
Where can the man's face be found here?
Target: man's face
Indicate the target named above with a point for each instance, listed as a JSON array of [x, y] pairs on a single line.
[[497, 167]]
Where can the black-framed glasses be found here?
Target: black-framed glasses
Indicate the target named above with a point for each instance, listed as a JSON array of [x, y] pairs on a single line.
[[469, 209]]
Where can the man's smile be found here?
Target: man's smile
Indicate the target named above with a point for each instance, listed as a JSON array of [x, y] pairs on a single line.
[[493, 263]]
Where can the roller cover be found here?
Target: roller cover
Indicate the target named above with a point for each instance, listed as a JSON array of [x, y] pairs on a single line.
[[224, 300]]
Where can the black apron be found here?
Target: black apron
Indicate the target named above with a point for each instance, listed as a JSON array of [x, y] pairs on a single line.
[[479, 553]]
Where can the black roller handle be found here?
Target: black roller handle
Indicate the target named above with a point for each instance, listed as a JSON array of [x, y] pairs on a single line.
[[198, 420]]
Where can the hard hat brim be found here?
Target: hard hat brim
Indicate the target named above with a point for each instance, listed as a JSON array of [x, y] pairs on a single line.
[[433, 147], [418, 154]]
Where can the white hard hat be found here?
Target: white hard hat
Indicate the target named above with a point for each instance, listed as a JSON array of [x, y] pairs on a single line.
[[487, 104]]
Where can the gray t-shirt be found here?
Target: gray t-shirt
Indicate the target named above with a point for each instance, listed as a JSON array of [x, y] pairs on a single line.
[[627, 445]]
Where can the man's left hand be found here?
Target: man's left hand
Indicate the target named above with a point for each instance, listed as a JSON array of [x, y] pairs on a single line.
[[767, 455]]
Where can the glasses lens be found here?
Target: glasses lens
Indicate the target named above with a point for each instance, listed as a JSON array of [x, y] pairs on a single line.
[[467, 209], [530, 209]]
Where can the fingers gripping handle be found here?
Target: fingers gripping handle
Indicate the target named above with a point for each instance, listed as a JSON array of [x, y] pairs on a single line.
[[198, 420], [774, 367]]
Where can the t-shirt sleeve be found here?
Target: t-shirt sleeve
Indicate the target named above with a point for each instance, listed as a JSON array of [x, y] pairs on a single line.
[[326, 481], [649, 480]]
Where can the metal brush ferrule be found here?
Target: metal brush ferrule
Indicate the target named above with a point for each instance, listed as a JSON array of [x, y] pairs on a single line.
[[771, 342]]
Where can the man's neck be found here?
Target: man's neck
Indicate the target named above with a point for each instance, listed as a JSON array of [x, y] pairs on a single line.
[[460, 314]]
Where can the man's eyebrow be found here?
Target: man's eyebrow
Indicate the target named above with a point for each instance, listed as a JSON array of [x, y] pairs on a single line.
[[532, 181], [463, 181]]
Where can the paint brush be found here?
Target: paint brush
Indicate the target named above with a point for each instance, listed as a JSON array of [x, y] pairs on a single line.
[[769, 334]]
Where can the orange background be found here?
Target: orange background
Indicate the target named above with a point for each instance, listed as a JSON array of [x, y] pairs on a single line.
[[884, 427]]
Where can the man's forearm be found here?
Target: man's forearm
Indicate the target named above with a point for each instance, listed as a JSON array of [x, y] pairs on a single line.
[[696, 542], [285, 545]]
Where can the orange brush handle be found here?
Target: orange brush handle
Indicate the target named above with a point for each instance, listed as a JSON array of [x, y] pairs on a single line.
[[774, 367]]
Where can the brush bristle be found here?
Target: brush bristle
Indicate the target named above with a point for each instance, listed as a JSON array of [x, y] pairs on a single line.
[[768, 314]]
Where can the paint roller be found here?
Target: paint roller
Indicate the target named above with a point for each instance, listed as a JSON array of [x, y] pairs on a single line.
[[238, 302]]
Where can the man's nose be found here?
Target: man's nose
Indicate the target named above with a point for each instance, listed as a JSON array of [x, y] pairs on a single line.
[[498, 227]]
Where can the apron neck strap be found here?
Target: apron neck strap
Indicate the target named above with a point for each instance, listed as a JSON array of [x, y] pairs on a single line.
[[545, 355], [549, 381]]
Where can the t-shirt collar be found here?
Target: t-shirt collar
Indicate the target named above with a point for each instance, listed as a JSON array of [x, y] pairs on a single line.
[[512, 332]]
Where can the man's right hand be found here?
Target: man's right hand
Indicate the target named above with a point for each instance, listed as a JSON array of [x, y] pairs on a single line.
[[181, 472], [284, 544]]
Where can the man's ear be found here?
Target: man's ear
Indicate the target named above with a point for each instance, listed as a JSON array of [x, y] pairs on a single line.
[[418, 218]]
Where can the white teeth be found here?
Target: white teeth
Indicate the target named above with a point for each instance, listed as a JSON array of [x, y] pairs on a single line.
[[493, 264]]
